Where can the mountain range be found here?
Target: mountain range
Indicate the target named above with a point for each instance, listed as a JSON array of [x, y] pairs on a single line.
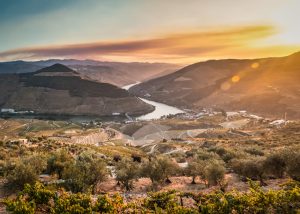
[[268, 86], [116, 73]]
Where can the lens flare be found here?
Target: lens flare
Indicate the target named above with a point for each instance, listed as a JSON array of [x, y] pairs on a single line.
[[225, 86], [255, 65], [235, 78]]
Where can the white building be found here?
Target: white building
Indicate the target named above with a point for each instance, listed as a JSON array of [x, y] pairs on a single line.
[[7, 110]]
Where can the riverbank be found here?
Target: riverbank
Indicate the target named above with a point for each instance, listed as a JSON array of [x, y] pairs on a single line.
[[160, 108]]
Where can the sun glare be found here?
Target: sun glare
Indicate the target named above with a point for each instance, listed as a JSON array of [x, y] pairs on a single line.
[[235, 78], [255, 65]]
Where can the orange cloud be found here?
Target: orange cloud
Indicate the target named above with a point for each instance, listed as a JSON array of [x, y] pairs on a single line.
[[178, 47]]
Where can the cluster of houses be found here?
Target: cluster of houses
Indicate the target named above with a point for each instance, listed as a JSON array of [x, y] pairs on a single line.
[[13, 111], [192, 115]]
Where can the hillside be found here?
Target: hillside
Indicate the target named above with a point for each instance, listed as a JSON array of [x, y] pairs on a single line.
[[116, 73], [59, 90], [268, 86]]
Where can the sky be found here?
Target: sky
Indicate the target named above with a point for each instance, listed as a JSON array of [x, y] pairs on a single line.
[[175, 31]]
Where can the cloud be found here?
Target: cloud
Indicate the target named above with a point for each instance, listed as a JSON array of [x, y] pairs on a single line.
[[174, 46]]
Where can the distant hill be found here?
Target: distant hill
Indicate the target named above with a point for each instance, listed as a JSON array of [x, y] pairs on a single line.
[[60, 90], [18, 67], [268, 87], [116, 73]]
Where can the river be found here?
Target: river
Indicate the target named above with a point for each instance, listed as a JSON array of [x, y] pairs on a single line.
[[160, 108]]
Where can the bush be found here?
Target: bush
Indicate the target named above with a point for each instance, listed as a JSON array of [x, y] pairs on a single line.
[[255, 151], [285, 201], [225, 154], [254, 201], [38, 193], [106, 204], [72, 204], [20, 206], [205, 155], [161, 200]]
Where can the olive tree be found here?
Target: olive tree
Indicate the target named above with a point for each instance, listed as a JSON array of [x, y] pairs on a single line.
[[159, 170], [214, 173], [275, 164], [250, 168], [293, 165], [195, 168], [58, 162], [21, 174], [25, 170], [126, 172], [84, 174]]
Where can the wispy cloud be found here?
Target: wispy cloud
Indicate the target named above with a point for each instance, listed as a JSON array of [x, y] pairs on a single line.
[[193, 44]]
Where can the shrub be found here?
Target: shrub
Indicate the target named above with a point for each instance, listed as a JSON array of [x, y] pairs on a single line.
[[225, 154], [37, 193], [163, 200], [285, 201], [20, 206], [254, 201], [72, 204], [106, 204], [205, 155], [255, 151]]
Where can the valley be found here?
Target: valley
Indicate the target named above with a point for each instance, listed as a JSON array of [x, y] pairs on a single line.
[[61, 132]]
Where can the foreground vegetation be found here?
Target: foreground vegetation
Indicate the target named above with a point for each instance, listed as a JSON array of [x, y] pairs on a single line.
[[37, 198], [50, 174]]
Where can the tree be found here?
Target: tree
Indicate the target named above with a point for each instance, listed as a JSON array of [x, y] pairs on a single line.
[[126, 172], [59, 161], [25, 171], [194, 169], [275, 164], [21, 174], [214, 173], [84, 174], [293, 165], [250, 168], [159, 170], [38, 161]]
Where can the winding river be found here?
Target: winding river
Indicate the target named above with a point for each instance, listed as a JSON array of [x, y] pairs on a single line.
[[160, 108]]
